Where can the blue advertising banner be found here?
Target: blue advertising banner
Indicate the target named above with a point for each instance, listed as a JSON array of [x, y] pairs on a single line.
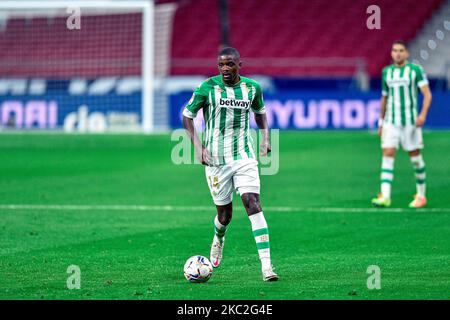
[[94, 113], [319, 110], [302, 110]]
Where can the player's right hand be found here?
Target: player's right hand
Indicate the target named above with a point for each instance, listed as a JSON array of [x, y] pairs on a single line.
[[420, 120], [380, 130], [206, 158]]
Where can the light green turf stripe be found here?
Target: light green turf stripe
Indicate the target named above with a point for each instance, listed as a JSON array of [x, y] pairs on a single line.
[[386, 181], [262, 245], [420, 170], [420, 181], [260, 232], [387, 170]]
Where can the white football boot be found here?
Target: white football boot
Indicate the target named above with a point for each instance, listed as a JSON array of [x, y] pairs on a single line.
[[216, 251], [269, 275]]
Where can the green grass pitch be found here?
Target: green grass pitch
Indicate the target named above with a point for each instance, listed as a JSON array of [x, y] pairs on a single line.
[[130, 252]]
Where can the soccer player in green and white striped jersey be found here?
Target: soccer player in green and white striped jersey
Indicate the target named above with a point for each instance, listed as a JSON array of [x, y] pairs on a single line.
[[227, 150], [400, 122]]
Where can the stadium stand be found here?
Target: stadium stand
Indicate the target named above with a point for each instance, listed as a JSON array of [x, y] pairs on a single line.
[[432, 45], [102, 47], [300, 37], [297, 30]]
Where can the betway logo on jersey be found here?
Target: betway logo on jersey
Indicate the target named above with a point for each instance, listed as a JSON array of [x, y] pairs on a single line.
[[234, 103], [398, 82]]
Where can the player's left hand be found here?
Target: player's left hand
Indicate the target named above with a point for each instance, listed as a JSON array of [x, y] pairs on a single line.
[[264, 148], [420, 121]]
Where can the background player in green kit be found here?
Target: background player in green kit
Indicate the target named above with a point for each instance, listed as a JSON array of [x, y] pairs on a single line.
[[227, 150], [400, 122]]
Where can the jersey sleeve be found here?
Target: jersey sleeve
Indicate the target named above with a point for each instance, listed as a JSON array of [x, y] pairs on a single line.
[[197, 101], [421, 77], [258, 102], [384, 86]]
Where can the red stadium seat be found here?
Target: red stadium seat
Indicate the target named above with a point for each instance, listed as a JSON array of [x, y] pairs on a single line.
[[259, 29], [300, 29]]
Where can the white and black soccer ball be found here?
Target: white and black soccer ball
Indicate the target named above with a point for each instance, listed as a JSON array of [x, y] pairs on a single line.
[[198, 269]]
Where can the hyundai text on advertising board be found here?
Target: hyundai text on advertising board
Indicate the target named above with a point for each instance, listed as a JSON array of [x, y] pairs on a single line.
[[318, 110]]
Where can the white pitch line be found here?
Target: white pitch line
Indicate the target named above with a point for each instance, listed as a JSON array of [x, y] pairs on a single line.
[[202, 208]]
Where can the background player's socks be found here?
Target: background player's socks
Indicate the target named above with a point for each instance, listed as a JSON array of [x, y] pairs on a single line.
[[261, 234], [419, 168], [219, 229], [387, 176]]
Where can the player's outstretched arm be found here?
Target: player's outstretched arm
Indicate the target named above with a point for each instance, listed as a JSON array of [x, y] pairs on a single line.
[[425, 105], [201, 152], [261, 121]]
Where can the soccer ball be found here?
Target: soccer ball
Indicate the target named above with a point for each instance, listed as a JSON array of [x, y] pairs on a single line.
[[198, 269]]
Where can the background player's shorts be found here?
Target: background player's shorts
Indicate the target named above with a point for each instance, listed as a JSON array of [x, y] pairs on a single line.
[[241, 175], [409, 136]]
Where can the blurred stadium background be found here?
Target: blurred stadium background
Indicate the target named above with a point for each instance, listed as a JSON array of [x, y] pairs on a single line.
[[317, 61]]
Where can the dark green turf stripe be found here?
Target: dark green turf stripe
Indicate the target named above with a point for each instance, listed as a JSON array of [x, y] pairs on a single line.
[[36, 245]]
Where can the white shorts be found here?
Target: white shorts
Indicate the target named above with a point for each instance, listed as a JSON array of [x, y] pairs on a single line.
[[240, 175], [409, 136]]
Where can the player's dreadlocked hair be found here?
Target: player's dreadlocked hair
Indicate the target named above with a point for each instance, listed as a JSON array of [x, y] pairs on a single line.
[[229, 51]]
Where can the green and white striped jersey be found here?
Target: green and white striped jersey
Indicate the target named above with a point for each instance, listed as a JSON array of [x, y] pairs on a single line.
[[226, 111], [400, 85]]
